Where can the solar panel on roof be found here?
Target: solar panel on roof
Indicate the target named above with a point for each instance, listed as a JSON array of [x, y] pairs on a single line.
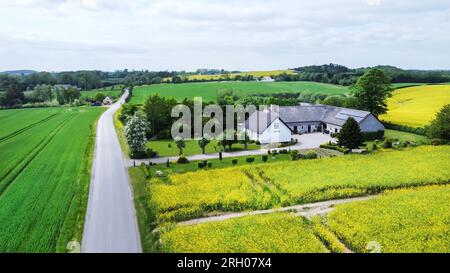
[[353, 113]]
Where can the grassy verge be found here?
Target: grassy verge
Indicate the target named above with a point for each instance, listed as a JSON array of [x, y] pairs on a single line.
[[145, 216], [120, 133], [73, 226]]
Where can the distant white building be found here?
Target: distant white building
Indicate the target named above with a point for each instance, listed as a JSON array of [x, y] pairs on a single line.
[[267, 79], [107, 101], [278, 124]]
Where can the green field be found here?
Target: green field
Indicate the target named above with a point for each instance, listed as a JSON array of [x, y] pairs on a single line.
[[233, 75], [44, 180], [208, 91], [417, 106], [259, 186], [115, 92], [279, 232], [400, 221]]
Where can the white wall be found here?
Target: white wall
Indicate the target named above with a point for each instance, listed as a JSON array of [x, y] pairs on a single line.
[[333, 128], [277, 132]]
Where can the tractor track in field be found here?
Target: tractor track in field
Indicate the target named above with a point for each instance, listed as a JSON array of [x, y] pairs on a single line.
[[26, 128], [305, 210], [12, 174]]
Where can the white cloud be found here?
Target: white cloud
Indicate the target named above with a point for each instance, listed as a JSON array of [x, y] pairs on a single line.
[[233, 34]]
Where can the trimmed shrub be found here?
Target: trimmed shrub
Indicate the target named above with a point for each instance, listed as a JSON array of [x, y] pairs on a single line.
[[387, 144], [150, 153], [182, 160], [437, 142], [250, 159], [311, 155], [264, 158], [210, 164], [201, 165], [234, 162]]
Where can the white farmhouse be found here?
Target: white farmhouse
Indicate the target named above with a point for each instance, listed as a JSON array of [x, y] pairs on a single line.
[[267, 79], [107, 101], [278, 124]]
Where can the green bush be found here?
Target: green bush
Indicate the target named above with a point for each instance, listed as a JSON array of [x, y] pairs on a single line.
[[311, 155], [335, 147], [387, 144], [182, 160], [264, 158], [437, 142], [250, 159], [234, 162], [201, 165], [150, 153], [210, 164]]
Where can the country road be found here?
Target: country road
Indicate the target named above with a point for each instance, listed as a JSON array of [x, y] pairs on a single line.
[[111, 225]]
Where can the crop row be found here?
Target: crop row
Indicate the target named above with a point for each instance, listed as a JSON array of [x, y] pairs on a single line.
[[35, 205]]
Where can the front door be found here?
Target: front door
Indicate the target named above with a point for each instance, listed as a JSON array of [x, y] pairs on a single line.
[[309, 128]]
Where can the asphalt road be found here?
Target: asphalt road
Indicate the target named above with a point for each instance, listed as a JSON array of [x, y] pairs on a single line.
[[111, 225]]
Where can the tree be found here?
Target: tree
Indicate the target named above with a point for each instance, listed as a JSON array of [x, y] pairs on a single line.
[[136, 133], [372, 90], [350, 135], [203, 142], [224, 141], [13, 91], [158, 111], [244, 139], [99, 97], [181, 144], [42, 93], [440, 126]]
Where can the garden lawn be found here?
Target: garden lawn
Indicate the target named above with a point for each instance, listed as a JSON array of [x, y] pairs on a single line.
[[208, 90], [262, 186], [405, 220], [417, 106], [272, 233], [169, 148]]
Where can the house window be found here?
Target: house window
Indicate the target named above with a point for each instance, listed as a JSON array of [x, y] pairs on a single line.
[[276, 126], [335, 130]]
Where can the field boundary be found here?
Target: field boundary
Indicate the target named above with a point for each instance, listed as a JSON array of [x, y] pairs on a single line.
[[26, 128], [12, 174]]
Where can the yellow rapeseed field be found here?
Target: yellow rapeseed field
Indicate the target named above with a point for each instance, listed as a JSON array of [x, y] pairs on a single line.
[[279, 232], [404, 220], [417, 106], [263, 186]]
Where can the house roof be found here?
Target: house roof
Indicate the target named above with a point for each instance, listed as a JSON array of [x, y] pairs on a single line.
[[260, 120]]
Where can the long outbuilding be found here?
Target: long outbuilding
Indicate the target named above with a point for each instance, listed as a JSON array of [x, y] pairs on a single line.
[[279, 124]]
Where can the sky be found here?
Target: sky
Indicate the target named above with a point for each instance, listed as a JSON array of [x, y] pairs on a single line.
[[246, 35]]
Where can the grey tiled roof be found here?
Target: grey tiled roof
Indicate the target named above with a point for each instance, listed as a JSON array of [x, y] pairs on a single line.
[[305, 113]]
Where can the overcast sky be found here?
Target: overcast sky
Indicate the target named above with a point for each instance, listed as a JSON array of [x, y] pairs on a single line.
[[57, 35]]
